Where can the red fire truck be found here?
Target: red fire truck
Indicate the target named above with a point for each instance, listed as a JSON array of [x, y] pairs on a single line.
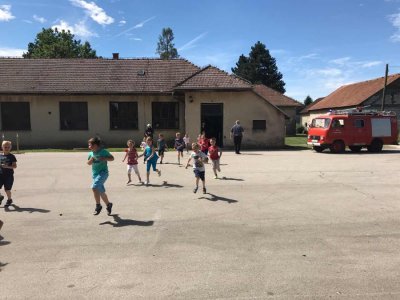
[[354, 128]]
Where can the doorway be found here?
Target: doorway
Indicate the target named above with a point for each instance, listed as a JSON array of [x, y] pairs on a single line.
[[212, 121]]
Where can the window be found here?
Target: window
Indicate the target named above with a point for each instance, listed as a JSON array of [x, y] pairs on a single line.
[[337, 123], [259, 124], [15, 116], [165, 115], [123, 115], [320, 123], [358, 123], [73, 116]]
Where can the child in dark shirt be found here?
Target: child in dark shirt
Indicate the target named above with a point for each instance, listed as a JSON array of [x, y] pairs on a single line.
[[179, 146], [8, 163]]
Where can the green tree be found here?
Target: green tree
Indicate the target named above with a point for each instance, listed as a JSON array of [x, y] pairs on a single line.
[[260, 67], [308, 100], [51, 43], [165, 48]]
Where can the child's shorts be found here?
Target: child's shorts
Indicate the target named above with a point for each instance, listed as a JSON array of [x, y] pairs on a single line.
[[215, 164], [132, 167], [161, 152], [7, 181], [98, 182], [151, 163], [199, 174]]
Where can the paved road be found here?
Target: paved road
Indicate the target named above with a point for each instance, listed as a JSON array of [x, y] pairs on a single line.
[[282, 225]]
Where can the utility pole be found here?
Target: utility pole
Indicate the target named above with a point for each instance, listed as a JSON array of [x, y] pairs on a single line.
[[384, 87]]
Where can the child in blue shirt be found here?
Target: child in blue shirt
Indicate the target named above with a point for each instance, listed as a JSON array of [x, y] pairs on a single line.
[[151, 157], [98, 159]]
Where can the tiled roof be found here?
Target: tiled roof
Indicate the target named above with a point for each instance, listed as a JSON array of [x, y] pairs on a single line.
[[275, 97], [309, 106], [92, 75], [353, 94], [212, 78]]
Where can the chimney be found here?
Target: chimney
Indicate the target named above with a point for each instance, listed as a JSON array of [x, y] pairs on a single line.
[[115, 55]]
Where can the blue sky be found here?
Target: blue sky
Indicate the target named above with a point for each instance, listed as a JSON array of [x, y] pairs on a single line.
[[319, 45]]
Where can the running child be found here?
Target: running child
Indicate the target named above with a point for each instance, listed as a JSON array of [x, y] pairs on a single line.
[[151, 157], [98, 159], [198, 167], [204, 144], [162, 146], [215, 156], [132, 163], [179, 146], [8, 163], [186, 139]]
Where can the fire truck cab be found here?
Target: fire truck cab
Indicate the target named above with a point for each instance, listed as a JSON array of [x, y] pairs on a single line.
[[353, 128]]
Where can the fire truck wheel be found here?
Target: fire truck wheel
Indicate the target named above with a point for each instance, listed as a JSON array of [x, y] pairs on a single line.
[[355, 148], [376, 146], [318, 149], [338, 147]]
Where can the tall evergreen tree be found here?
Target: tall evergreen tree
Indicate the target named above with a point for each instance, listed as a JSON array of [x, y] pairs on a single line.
[[51, 43], [308, 100], [260, 67], [165, 47]]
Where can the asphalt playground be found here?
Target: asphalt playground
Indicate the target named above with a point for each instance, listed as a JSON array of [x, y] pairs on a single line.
[[279, 225]]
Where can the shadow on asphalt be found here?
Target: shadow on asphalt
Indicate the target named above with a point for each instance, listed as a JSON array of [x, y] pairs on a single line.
[[119, 222], [231, 178], [16, 208], [213, 197], [165, 184], [2, 265], [3, 243]]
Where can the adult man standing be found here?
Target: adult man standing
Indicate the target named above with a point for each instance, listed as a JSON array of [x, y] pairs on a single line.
[[237, 133], [149, 131]]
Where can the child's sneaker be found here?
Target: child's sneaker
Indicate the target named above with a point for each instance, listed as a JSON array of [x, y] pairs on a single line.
[[8, 203], [129, 181], [159, 172], [204, 191], [109, 208], [216, 177], [146, 182], [1, 198], [195, 189], [97, 210]]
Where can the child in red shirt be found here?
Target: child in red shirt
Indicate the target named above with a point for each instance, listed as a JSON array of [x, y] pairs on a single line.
[[204, 144], [215, 156], [132, 163]]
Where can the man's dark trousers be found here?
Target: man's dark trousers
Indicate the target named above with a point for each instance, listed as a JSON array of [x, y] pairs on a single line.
[[237, 140]]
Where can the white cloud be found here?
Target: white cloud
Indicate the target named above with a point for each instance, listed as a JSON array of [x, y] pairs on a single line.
[[395, 20], [139, 25], [122, 23], [11, 52], [341, 61], [78, 29], [136, 39], [27, 21], [370, 64], [39, 19], [191, 44], [328, 72], [5, 13], [95, 12]]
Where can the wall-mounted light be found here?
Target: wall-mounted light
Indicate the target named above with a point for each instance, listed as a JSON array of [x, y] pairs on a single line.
[[191, 99]]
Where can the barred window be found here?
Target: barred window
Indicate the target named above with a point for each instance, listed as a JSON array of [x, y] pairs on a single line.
[[15, 116], [74, 116], [123, 115], [165, 115]]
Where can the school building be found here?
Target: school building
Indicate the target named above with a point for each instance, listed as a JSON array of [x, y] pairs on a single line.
[[63, 102]]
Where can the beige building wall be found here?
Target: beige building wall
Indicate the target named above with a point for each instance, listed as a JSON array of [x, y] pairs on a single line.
[[45, 120], [244, 106]]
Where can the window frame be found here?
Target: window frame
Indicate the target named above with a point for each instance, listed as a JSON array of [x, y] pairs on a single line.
[[156, 120], [135, 125], [26, 118], [355, 123], [62, 118], [263, 127]]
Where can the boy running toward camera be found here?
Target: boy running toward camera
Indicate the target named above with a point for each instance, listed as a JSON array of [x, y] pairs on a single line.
[[98, 158], [198, 167], [8, 163], [179, 146], [151, 157], [162, 146], [215, 154]]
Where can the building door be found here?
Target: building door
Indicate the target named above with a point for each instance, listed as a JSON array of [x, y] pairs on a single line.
[[212, 121]]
